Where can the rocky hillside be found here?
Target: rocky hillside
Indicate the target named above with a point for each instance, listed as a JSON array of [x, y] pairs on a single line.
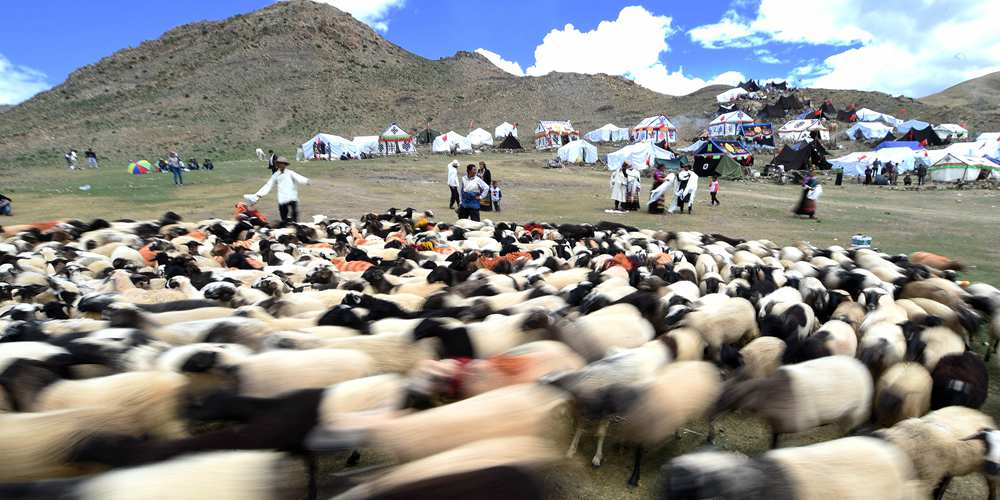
[[273, 77]]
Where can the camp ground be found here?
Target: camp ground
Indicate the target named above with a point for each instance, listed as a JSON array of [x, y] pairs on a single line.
[[608, 133]]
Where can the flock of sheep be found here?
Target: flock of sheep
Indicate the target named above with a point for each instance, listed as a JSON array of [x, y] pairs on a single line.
[[222, 359]]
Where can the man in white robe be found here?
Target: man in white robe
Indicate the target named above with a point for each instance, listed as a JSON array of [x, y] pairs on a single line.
[[684, 190], [619, 186]]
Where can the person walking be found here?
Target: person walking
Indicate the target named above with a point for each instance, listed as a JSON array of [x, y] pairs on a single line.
[[684, 191], [71, 159], [713, 190], [287, 182], [655, 205], [921, 174], [271, 159], [811, 191], [174, 165], [91, 157], [453, 184], [473, 189]]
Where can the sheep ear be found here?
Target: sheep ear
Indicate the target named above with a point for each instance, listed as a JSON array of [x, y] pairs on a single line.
[[981, 435]]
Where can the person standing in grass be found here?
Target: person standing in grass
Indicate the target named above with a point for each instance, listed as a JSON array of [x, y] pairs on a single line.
[[619, 187], [271, 158], [453, 184], [713, 190], [473, 189], [287, 182], [91, 157], [174, 165], [496, 195]]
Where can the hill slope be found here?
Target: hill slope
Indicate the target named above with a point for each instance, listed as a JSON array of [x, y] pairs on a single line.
[[274, 77], [980, 93]]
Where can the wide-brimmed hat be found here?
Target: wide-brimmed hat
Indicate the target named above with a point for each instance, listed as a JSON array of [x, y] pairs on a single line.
[[281, 160]]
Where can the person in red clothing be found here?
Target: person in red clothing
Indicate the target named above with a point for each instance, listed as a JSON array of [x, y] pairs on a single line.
[[713, 190]]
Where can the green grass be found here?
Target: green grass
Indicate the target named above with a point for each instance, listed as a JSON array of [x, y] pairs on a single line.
[[960, 224]]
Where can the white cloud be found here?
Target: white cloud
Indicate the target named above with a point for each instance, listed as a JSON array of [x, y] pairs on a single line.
[[658, 79], [896, 46], [630, 46], [765, 56], [511, 67], [374, 13], [18, 83]]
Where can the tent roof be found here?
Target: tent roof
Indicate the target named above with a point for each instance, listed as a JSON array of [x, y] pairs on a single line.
[[655, 122], [394, 131], [800, 156], [906, 126], [802, 126], [557, 125], [914, 145], [867, 115], [954, 160], [732, 117], [640, 155], [988, 136], [713, 147], [731, 94]]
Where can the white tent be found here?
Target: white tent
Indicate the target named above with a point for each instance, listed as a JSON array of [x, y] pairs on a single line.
[[867, 115], [578, 152], [988, 136], [869, 131], [451, 142], [905, 159], [909, 125], [951, 131], [639, 155], [731, 95], [728, 124], [335, 146], [607, 133], [799, 130], [953, 167], [504, 129], [479, 138], [367, 144]]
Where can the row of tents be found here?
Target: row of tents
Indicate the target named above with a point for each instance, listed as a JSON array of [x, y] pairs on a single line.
[[966, 161], [395, 140]]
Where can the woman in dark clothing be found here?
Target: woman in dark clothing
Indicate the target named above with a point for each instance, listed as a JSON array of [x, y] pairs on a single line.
[[811, 191], [487, 177]]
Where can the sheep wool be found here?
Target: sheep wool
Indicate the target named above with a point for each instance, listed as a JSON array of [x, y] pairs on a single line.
[[903, 391], [271, 373]]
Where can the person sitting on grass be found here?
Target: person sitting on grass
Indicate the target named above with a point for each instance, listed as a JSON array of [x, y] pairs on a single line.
[[192, 164], [207, 165], [6, 206]]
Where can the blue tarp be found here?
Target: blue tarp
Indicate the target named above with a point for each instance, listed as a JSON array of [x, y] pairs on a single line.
[[914, 145]]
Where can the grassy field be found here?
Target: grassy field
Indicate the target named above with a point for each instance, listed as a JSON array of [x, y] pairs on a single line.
[[960, 224]]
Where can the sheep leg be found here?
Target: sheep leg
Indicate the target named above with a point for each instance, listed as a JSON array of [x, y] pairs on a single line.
[[993, 349], [312, 467], [575, 442], [774, 440], [633, 480], [602, 432], [941, 488], [354, 458], [710, 438]]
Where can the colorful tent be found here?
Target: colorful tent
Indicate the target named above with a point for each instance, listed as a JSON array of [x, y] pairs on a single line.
[[139, 167], [552, 134], [505, 129], [800, 130], [640, 156], [451, 142], [578, 152], [655, 129], [607, 133], [395, 141], [954, 168], [727, 125], [334, 146], [708, 154], [756, 134], [480, 138], [728, 169]]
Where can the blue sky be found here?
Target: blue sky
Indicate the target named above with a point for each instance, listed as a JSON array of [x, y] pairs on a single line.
[[674, 47]]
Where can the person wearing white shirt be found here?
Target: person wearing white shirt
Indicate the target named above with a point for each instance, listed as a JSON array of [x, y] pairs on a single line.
[[453, 184], [287, 182], [473, 189]]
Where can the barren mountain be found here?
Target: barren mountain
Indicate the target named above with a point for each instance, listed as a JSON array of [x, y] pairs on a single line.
[[273, 77], [979, 94]]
